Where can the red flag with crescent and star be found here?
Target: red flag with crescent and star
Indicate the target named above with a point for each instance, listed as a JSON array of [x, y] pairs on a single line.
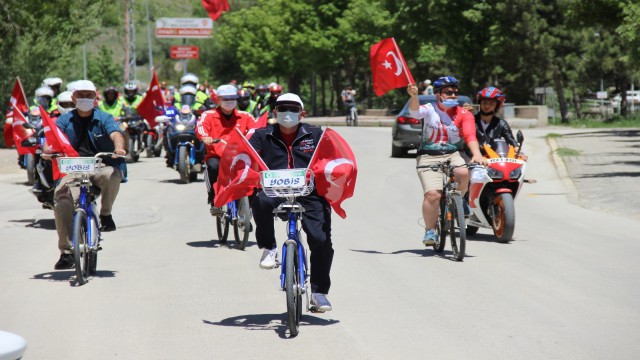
[[389, 69], [57, 142], [152, 104], [20, 133], [334, 168], [215, 8], [17, 102], [239, 171]]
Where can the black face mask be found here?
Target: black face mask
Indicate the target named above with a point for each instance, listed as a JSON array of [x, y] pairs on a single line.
[[487, 113]]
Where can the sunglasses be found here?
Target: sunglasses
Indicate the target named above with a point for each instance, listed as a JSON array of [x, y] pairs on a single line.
[[450, 93], [291, 108]]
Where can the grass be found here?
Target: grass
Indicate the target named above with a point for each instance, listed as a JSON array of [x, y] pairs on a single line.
[[615, 122], [553, 135], [568, 152]]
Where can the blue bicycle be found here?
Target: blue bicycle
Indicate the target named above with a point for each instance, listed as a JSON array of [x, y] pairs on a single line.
[[290, 184], [236, 213], [86, 224]]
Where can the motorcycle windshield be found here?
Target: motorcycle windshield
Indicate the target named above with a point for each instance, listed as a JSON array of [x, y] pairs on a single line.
[[188, 99], [501, 147]]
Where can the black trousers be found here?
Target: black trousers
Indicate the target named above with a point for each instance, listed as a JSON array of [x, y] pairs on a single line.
[[316, 223], [211, 176]]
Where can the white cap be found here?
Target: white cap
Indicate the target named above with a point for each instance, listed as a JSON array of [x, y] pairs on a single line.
[[44, 91], [227, 91], [64, 97], [83, 85], [427, 82], [289, 98], [52, 81]]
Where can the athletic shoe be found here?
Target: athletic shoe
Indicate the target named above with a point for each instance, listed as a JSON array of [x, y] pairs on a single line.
[[269, 259], [107, 224], [65, 262], [430, 237], [320, 303]]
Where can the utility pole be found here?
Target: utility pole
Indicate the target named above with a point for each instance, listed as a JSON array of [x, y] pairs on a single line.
[[149, 39], [130, 42]]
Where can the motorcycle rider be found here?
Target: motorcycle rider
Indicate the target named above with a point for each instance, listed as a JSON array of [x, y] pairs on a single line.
[[132, 97], [44, 96], [219, 123], [245, 103], [111, 102], [260, 94], [89, 131], [285, 145], [269, 103], [446, 128], [200, 99], [489, 126], [55, 83]]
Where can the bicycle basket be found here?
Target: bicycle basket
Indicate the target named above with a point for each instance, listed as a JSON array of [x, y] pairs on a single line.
[[77, 165], [286, 183]]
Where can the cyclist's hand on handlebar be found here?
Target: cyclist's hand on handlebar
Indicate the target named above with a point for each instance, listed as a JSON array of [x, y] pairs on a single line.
[[121, 152], [207, 140], [480, 160]]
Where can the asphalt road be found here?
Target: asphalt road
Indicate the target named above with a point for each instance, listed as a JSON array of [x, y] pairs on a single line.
[[565, 288]]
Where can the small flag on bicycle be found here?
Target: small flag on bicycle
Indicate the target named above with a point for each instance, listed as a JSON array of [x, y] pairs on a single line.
[[57, 141], [334, 168], [239, 171], [388, 67]]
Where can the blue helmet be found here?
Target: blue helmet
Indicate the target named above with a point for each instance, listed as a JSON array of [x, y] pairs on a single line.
[[444, 82]]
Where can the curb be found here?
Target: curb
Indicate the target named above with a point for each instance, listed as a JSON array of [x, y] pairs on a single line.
[[563, 172]]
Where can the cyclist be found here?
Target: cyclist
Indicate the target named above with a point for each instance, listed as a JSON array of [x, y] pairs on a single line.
[[428, 88], [285, 145], [348, 97], [446, 128], [218, 124], [90, 131], [489, 126]]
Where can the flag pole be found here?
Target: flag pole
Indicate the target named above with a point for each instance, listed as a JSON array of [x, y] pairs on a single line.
[[22, 90], [406, 71]]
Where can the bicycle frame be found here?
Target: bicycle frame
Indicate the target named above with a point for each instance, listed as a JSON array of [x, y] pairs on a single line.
[[292, 236], [86, 206]]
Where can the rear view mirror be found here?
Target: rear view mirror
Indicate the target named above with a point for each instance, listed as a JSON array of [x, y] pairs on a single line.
[[519, 137]]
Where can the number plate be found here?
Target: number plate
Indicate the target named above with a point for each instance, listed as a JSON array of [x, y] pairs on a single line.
[[71, 165], [284, 178]]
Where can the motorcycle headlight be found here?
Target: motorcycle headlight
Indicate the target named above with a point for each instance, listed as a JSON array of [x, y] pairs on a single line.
[[494, 174], [180, 127], [515, 174]]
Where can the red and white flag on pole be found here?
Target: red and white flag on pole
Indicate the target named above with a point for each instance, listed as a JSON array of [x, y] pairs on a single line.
[[389, 69], [57, 141], [17, 102], [20, 133], [260, 122], [334, 167], [239, 172], [215, 8], [152, 104]]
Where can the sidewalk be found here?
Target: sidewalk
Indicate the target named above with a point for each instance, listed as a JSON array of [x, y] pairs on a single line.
[[606, 173]]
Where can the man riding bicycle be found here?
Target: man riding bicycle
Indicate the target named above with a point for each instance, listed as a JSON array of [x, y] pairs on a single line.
[[90, 131], [289, 144], [348, 98], [446, 127]]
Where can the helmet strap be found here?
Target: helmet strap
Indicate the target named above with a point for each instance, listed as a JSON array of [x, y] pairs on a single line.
[[487, 113]]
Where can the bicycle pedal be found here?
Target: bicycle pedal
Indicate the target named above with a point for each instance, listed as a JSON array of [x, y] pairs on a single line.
[[315, 310]]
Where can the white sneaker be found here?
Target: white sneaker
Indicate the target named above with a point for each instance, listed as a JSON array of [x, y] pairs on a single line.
[[269, 259]]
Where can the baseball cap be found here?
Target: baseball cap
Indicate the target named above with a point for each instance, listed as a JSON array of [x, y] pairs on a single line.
[[227, 91], [83, 85], [289, 98]]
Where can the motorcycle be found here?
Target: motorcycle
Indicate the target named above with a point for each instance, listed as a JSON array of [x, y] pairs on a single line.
[[30, 146], [493, 189], [43, 184], [134, 127], [154, 137], [185, 152]]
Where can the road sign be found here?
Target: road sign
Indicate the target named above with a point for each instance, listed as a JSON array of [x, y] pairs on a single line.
[[194, 28], [185, 52], [601, 95]]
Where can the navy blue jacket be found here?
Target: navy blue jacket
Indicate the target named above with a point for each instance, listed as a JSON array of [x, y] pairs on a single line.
[[99, 129], [269, 144]]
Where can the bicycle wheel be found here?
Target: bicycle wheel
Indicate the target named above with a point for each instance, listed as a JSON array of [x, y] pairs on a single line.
[[292, 286], [242, 227], [222, 225], [80, 248], [354, 116], [457, 216], [441, 227], [93, 253]]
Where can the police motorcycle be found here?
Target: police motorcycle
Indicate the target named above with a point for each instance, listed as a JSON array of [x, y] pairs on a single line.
[[185, 152], [134, 128]]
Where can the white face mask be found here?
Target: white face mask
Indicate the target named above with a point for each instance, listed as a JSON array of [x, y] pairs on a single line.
[[64, 110], [84, 104], [288, 119], [228, 105]]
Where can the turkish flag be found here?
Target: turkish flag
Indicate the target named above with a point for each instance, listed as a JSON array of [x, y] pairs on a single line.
[[20, 133], [57, 142], [17, 102], [334, 168], [259, 123], [152, 104], [389, 69], [239, 171], [215, 8]]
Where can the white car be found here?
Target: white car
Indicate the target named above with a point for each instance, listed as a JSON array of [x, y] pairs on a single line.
[[632, 96]]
